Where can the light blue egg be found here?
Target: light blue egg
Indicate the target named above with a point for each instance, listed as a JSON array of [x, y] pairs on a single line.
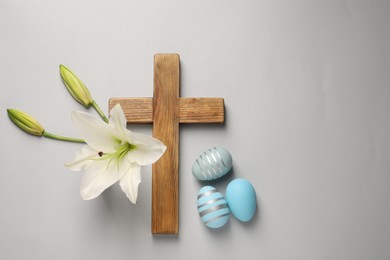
[[241, 198], [212, 207], [212, 164]]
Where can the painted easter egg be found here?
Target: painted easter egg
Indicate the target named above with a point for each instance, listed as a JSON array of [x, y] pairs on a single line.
[[212, 164], [241, 198], [212, 207]]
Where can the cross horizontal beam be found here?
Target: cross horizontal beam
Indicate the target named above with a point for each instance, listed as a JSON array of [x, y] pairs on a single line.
[[191, 110]]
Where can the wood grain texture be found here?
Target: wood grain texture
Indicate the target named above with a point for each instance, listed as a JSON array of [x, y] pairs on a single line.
[[165, 179], [191, 110], [137, 110], [201, 110]]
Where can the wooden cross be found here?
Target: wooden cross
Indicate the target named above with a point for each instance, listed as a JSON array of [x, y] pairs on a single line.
[[166, 110]]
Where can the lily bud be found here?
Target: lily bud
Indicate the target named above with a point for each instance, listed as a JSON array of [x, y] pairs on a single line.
[[76, 88], [25, 122]]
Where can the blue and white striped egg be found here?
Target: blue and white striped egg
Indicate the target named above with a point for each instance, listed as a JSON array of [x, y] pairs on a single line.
[[212, 164], [212, 207]]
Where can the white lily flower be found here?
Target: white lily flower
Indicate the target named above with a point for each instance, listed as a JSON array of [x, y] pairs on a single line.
[[113, 153]]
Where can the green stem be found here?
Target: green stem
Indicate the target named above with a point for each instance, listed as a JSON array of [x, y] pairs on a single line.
[[63, 138], [100, 112]]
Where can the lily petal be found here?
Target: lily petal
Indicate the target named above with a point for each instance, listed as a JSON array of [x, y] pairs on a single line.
[[100, 175], [130, 182], [118, 120], [145, 157], [146, 140], [148, 149], [95, 132], [84, 157]]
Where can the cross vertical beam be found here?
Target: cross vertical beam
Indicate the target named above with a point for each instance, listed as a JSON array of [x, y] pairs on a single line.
[[166, 110], [165, 179]]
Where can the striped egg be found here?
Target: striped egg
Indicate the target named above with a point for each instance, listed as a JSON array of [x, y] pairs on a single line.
[[212, 164], [212, 207]]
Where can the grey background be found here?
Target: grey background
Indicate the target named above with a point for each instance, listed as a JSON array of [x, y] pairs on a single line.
[[306, 87]]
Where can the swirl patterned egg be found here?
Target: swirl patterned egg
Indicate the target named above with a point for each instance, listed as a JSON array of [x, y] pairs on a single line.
[[212, 207], [212, 164]]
